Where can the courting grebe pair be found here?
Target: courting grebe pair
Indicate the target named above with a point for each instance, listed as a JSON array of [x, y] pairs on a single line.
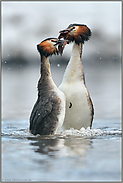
[[69, 105]]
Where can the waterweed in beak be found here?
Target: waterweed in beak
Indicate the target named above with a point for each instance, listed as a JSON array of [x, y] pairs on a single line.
[[64, 32], [61, 45]]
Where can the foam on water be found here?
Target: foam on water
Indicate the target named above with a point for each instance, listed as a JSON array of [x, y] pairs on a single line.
[[85, 133], [90, 132]]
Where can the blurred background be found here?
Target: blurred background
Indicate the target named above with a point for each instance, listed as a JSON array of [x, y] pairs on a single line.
[[25, 24]]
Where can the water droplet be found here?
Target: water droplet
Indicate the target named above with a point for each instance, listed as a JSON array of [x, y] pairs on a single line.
[[39, 114], [100, 58], [5, 62], [98, 52], [58, 65], [9, 68], [8, 55]]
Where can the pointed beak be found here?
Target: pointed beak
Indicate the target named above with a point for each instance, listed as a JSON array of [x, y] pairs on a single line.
[[61, 45], [57, 42], [63, 33]]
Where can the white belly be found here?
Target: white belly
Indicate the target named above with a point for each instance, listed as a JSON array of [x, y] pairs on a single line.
[[78, 111], [62, 104]]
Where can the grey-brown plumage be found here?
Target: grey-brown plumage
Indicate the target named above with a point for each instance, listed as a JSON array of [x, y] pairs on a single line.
[[48, 112]]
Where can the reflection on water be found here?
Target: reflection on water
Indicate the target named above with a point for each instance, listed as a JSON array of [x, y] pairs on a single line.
[[91, 154], [46, 146], [72, 155], [64, 157], [72, 146]]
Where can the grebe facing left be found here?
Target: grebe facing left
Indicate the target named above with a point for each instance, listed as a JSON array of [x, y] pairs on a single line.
[[48, 112], [79, 107]]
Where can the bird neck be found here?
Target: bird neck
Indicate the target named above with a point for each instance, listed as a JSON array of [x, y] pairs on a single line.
[[45, 68], [45, 82], [74, 70], [76, 50]]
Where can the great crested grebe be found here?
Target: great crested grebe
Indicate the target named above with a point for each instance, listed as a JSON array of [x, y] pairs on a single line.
[[79, 107], [48, 112]]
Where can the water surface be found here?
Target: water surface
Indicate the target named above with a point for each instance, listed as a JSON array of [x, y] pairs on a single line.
[[90, 155], [72, 155]]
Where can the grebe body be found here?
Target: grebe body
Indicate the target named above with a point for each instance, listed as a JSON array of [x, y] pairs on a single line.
[[79, 107], [48, 112]]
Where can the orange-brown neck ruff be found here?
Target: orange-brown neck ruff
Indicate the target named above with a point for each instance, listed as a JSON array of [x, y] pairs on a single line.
[[46, 49], [80, 35], [48, 112]]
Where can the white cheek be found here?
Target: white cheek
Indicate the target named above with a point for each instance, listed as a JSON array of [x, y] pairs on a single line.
[[72, 33]]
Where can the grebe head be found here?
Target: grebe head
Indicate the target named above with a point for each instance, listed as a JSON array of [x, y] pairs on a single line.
[[48, 47], [76, 32]]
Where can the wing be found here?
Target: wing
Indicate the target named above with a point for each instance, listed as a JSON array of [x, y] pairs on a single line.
[[41, 110]]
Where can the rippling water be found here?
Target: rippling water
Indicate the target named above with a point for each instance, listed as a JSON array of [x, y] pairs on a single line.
[[72, 155], [91, 154]]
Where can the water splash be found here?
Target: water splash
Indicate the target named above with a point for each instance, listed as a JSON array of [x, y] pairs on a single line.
[[90, 132], [83, 133]]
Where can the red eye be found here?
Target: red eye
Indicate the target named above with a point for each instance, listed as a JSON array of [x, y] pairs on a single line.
[[73, 28], [52, 40]]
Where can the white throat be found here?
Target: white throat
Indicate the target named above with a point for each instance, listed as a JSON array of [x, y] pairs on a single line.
[[79, 109], [74, 71]]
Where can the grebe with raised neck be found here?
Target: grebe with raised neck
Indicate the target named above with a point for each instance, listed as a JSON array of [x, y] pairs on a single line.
[[79, 106], [48, 112]]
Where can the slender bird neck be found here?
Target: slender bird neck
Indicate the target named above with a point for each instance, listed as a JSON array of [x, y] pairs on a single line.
[[74, 70], [76, 50], [45, 82], [45, 67]]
